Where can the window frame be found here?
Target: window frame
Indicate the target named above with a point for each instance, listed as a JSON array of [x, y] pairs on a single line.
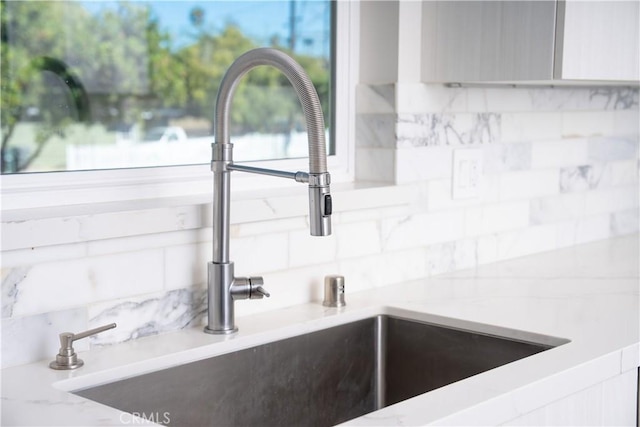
[[72, 188]]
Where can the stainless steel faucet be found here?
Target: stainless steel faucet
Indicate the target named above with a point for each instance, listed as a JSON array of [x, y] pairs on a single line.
[[223, 286]]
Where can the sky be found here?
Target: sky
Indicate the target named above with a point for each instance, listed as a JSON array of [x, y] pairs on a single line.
[[258, 19]]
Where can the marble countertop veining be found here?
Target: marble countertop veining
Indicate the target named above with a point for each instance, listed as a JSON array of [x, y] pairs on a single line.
[[587, 294]]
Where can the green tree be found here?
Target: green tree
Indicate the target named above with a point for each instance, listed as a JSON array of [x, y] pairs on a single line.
[[166, 72], [29, 66], [53, 53], [264, 101], [205, 62]]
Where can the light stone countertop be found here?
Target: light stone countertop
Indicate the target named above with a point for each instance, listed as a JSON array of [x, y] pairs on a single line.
[[587, 294]]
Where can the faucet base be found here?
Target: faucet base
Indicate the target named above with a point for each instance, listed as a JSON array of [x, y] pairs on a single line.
[[220, 281], [220, 331]]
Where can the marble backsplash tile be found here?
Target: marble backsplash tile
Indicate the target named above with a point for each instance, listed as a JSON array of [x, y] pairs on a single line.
[[624, 222], [528, 184], [557, 208], [609, 149], [452, 256], [558, 153], [424, 130], [583, 229], [560, 167], [148, 315], [376, 130], [580, 178], [552, 99], [379, 99], [52, 286], [11, 284], [530, 126], [501, 158], [611, 200], [496, 218], [423, 163]]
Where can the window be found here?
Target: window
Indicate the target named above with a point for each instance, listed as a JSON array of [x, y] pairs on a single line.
[[126, 84]]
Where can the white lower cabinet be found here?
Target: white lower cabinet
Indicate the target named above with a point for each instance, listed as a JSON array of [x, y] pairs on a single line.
[[613, 402]]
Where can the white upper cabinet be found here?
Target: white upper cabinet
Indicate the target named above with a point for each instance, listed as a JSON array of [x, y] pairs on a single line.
[[530, 41], [598, 40]]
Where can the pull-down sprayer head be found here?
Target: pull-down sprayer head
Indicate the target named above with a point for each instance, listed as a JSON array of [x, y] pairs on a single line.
[[320, 204]]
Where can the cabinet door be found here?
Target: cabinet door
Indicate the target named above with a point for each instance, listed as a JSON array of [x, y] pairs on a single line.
[[598, 40], [487, 40]]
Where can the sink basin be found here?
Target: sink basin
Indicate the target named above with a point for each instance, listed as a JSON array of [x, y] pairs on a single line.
[[321, 378]]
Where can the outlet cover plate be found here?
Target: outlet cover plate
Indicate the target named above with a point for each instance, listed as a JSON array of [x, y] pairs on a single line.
[[467, 173]]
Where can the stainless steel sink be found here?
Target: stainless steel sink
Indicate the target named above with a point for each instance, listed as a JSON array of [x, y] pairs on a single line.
[[317, 379]]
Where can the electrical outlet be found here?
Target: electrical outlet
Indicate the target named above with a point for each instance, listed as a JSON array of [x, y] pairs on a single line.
[[467, 173]]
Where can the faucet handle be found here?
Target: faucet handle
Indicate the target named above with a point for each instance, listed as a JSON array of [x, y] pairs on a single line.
[[256, 290], [67, 358], [259, 292], [248, 288]]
